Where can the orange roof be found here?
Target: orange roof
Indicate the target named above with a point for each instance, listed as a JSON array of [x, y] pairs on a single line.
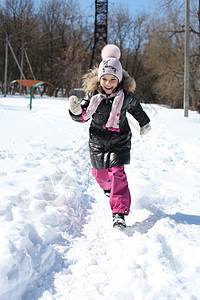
[[30, 82]]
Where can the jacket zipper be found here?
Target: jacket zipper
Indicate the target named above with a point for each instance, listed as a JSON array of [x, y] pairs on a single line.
[[106, 99]]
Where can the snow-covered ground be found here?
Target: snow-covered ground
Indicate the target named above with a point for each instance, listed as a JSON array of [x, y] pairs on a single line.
[[56, 237]]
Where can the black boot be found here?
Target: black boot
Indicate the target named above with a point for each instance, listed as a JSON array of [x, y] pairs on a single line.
[[118, 221], [107, 192]]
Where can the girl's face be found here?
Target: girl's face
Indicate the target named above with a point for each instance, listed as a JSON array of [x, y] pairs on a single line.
[[108, 83]]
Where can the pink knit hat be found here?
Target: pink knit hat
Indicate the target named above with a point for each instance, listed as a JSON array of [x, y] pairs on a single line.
[[110, 65]]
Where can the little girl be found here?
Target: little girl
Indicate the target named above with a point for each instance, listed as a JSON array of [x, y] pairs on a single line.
[[109, 95]]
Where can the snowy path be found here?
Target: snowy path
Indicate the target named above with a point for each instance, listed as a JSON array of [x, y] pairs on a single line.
[[147, 262], [58, 240]]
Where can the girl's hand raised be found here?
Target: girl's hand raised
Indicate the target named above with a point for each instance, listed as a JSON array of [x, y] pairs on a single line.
[[74, 106]]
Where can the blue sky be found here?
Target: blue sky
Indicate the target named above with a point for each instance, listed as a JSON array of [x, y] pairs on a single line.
[[134, 6]]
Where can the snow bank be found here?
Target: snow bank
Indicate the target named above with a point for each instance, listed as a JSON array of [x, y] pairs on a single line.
[[40, 190], [57, 240]]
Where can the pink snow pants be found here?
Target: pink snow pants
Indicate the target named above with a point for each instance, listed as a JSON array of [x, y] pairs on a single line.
[[115, 179]]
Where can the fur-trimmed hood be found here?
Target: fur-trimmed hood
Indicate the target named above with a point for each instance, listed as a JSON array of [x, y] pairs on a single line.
[[90, 81]]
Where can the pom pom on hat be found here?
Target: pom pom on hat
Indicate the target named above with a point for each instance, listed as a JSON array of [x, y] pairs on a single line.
[[110, 51], [110, 65]]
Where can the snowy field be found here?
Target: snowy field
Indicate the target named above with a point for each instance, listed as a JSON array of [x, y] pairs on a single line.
[[56, 237]]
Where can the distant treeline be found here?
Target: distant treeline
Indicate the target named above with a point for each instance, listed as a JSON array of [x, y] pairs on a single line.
[[57, 37]]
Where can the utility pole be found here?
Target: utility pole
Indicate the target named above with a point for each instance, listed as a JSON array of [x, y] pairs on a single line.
[[6, 68], [187, 58], [6, 65], [22, 66], [11, 49], [28, 61]]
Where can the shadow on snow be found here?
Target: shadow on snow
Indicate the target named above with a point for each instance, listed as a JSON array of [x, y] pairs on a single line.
[[147, 224]]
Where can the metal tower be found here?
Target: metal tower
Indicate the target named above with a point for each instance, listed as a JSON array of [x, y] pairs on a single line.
[[100, 33]]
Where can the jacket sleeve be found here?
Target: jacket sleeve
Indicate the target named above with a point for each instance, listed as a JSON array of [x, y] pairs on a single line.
[[136, 110], [84, 104]]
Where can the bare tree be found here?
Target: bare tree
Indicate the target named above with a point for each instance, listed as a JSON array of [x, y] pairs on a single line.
[[57, 37], [179, 28], [17, 23], [53, 35], [120, 26]]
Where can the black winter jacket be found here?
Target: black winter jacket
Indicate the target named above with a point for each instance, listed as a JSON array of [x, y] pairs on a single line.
[[111, 148]]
